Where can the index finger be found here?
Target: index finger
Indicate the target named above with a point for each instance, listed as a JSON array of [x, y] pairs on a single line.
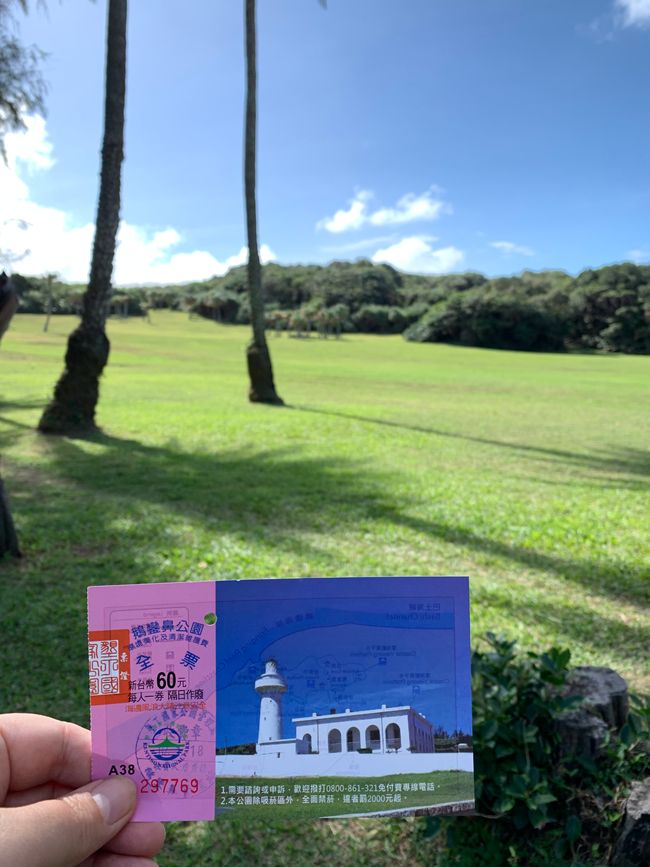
[[35, 749]]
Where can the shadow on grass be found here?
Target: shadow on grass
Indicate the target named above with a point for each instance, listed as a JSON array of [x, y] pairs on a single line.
[[9, 435], [272, 493], [99, 512], [8, 405], [278, 495], [620, 581], [627, 461], [11, 430]]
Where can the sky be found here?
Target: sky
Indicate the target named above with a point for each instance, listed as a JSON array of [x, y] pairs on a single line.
[[436, 135], [356, 643]]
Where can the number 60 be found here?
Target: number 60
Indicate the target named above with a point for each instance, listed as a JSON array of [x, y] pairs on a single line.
[[166, 680]]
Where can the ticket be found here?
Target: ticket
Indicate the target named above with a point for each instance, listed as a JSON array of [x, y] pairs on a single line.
[[151, 656], [304, 697]]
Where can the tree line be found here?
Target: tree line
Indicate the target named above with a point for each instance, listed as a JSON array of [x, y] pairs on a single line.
[[606, 309]]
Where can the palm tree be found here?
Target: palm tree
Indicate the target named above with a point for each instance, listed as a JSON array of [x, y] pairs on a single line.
[[8, 537], [260, 371], [72, 409]]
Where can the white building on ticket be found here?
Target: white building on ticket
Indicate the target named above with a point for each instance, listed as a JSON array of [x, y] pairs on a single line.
[[382, 730], [372, 742]]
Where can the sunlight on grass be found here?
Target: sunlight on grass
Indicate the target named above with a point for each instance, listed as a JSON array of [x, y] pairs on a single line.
[[528, 472]]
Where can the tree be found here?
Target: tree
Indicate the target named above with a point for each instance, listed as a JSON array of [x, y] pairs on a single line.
[[8, 537], [72, 409], [22, 89], [260, 370], [49, 300]]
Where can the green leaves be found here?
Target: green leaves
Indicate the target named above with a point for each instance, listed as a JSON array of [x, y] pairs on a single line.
[[537, 796], [572, 828], [503, 805], [489, 731]]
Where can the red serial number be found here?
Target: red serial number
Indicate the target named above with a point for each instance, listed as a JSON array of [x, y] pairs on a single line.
[[170, 785]]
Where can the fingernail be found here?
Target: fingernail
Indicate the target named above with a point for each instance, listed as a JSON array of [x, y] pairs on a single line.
[[115, 798]]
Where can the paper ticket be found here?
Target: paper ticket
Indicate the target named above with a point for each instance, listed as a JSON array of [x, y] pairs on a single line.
[[337, 697], [151, 656]]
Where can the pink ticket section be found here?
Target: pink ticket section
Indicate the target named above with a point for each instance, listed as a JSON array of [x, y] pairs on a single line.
[[151, 655]]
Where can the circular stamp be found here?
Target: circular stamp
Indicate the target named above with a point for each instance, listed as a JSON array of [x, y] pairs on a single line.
[[178, 742]]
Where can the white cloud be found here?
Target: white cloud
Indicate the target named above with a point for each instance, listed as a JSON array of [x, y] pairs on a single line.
[[410, 208], [357, 246], [39, 239], [142, 257], [634, 13], [509, 248], [415, 254], [638, 256], [31, 146], [353, 218]]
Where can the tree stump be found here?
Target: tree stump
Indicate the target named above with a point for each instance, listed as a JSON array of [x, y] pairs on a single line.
[[633, 846], [583, 731]]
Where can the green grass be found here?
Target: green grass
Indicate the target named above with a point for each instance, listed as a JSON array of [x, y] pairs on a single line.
[[239, 841], [365, 794], [529, 472]]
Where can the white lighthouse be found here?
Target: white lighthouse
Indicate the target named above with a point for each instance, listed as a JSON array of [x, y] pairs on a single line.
[[376, 742], [270, 686]]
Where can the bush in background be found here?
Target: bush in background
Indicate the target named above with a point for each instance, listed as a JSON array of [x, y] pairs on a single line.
[[379, 319], [492, 322], [605, 310], [610, 309], [536, 807]]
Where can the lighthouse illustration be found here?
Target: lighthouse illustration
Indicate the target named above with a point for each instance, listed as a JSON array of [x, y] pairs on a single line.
[[378, 731], [270, 686]]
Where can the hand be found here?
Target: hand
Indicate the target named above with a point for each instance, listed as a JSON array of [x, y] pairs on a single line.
[[51, 815]]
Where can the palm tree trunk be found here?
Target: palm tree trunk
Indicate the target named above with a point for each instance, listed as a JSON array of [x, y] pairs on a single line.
[[8, 537], [260, 371], [72, 409]]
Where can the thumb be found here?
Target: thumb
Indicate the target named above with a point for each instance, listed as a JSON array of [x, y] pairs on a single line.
[[65, 831]]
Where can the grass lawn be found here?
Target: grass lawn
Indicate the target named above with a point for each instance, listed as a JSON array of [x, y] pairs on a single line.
[[529, 472]]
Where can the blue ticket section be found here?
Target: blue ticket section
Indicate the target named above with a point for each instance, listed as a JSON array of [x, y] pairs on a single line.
[[366, 680]]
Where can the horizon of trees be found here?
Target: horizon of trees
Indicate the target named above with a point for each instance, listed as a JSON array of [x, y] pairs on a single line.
[[606, 309]]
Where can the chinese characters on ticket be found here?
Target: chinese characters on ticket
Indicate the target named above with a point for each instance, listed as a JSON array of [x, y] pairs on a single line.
[[309, 698], [151, 655]]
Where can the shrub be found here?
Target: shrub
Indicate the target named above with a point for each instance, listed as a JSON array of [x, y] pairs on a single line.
[[535, 807], [333, 320], [356, 284], [244, 311], [414, 312], [378, 319], [219, 305], [492, 322], [431, 289], [610, 309]]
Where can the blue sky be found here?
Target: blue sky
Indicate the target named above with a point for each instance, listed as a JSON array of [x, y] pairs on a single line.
[[438, 135]]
